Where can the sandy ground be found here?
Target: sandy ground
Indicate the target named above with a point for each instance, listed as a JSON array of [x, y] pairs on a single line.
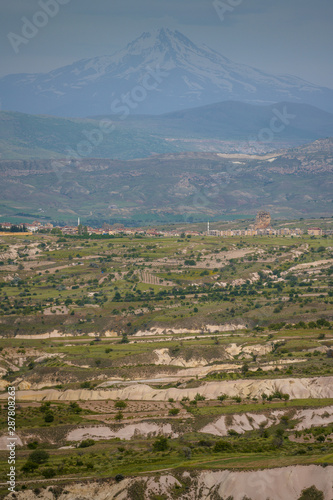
[[4, 440], [242, 156], [229, 327], [127, 432], [241, 423], [258, 349], [274, 484], [188, 373], [52, 270], [162, 357], [302, 388], [56, 310], [309, 265], [312, 418], [13, 251], [249, 421], [49, 335]]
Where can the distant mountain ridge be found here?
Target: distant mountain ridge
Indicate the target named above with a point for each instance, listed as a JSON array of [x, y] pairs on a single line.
[[24, 136], [35, 137], [237, 120], [161, 72]]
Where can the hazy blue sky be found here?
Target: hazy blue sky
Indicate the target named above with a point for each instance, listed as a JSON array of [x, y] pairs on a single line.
[[277, 36]]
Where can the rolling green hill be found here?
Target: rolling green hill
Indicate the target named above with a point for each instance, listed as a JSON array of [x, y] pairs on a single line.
[[25, 136]]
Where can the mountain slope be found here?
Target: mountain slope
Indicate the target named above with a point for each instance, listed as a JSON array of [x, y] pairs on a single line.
[[173, 187], [172, 73], [230, 120], [238, 124], [29, 137]]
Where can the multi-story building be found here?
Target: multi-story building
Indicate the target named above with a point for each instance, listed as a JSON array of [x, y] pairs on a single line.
[[315, 231]]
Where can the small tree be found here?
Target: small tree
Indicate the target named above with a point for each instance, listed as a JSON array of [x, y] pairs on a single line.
[[124, 339], [49, 417], [49, 473], [311, 494], [120, 404], [74, 407], [45, 407], [199, 397], [39, 456], [245, 368], [29, 466], [278, 441], [86, 443], [32, 445], [161, 444]]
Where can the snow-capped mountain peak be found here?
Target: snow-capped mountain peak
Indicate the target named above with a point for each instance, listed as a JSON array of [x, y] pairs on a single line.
[[193, 75]]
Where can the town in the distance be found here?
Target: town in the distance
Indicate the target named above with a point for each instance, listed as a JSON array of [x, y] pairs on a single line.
[[260, 227]]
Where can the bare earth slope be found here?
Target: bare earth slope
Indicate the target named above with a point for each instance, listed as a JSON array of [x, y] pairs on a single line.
[[272, 484], [321, 387]]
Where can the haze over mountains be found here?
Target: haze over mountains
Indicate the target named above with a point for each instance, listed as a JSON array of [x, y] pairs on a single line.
[[170, 107], [171, 187], [162, 71], [232, 120], [221, 127]]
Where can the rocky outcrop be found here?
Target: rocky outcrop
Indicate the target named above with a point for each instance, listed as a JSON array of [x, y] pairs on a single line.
[[249, 421], [127, 432], [297, 388], [263, 220], [285, 483]]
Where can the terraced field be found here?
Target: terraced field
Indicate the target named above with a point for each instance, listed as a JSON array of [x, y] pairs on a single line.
[[168, 367]]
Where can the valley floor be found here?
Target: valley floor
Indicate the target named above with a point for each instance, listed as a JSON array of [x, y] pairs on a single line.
[[213, 381]]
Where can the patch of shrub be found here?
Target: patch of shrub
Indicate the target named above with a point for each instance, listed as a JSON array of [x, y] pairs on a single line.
[[85, 385], [120, 404], [222, 446], [74, 407], [32, 445], [48, 473], [311, 494], [29, 466], [49, 417], [198, 397], [39, 456], [161, 444], [86, 443]]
